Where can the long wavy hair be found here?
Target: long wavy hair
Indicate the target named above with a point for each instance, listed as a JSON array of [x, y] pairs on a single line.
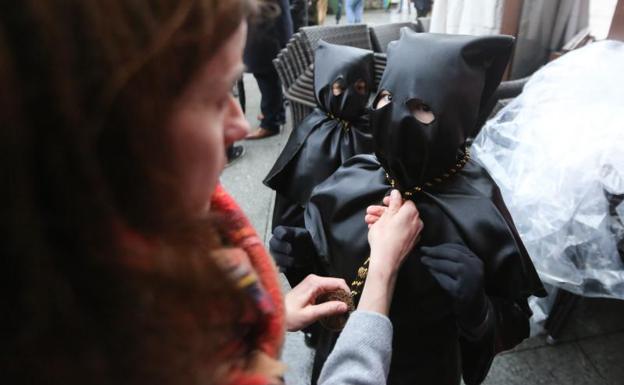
[[85, 87]]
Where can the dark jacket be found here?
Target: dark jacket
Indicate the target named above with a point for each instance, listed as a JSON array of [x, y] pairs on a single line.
[[266, 38]]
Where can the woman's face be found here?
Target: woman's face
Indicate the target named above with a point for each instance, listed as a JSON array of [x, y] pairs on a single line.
[[205, 120]]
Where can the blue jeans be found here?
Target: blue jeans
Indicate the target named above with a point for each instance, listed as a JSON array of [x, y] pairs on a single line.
[[354, 9]]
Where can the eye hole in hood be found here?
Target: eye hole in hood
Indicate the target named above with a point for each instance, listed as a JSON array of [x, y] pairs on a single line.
[[338, 87], [360, 87], [383, 98], [420, 111]]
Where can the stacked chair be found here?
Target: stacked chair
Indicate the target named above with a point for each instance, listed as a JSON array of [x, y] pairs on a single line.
[[294, 64]]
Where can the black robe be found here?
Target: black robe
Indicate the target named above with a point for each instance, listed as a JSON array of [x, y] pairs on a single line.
[[335, 131], [466, 209], [314, 150]]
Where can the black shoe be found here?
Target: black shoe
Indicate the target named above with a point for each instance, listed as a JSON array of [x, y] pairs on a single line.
[[234, 153]]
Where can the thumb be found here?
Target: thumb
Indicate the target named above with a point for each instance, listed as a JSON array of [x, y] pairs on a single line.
[[325, 309], [395, 201]]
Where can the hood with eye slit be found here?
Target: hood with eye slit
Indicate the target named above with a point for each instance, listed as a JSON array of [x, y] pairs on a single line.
[[452, 75], [349, 67]]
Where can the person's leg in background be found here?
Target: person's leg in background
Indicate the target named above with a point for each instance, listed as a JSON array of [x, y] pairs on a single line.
[[236, 151], [338, 11], [264, 41], [271, 105], [423, 7], [297, 12], [349, 10], [321, 11], [359, 11]]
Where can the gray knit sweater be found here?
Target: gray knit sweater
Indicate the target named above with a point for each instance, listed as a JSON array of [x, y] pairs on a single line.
[[362, 353]]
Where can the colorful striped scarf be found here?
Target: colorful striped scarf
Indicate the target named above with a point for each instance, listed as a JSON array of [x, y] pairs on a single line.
[[255, 273]]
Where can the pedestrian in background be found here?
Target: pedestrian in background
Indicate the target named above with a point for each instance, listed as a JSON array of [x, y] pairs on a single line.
[[298, 13], [354, 10], [264, 41], [321, 11], [338, 11], [423, 7], [386, 5], [409, 9]]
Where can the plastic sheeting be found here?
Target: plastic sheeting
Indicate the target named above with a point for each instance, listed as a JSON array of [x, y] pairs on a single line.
[[557, 154]]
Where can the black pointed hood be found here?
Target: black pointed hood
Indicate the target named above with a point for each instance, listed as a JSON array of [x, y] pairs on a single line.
[[454, 76], [345, 65]]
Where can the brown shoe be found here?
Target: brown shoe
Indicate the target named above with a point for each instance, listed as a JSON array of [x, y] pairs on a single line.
[[261, 133]]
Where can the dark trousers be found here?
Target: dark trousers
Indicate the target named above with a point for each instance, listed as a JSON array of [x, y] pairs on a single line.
[[271, 103]]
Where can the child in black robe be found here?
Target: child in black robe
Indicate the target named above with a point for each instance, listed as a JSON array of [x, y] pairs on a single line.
[[332, 133], [461, 295]]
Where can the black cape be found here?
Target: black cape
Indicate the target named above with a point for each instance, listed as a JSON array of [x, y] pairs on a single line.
[[467, 209], [335, 131]]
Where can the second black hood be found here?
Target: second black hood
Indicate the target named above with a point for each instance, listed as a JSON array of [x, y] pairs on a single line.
[[353, 70]]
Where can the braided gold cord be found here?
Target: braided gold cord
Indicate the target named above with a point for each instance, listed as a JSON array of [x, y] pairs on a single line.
[[358, 282], [345, 124], [414, 190]]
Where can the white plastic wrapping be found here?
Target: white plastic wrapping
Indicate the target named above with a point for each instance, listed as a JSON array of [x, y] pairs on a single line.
[[557, 153]]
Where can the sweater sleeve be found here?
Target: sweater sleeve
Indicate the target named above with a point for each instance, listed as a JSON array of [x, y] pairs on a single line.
[[362, 353]]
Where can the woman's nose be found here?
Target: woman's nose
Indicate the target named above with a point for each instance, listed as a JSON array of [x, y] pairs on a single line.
[[236, 125]]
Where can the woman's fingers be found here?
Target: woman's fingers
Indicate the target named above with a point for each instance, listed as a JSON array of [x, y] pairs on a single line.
[[317, 285], [395, 201], [325, 309], [409, 211], [373, 213], [301, 309], [375, 210], [371, 219]]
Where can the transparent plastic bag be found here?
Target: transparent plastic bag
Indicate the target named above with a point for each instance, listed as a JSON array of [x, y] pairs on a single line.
[[557, 154]]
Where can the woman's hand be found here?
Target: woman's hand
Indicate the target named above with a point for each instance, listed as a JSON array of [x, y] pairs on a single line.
[[394, 232], [391, 235], [301, 309], [374, 212]]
